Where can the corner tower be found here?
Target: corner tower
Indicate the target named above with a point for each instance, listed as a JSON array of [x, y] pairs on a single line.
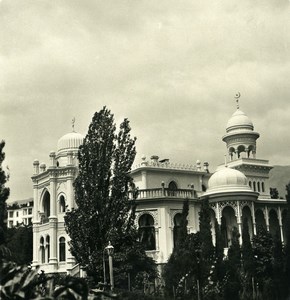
[[240, 135], [240, 139]]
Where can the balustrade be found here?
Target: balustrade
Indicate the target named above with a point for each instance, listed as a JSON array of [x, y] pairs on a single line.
[[165, 192]]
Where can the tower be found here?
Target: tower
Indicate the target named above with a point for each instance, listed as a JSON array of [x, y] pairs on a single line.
[[240, 139], [53, 196]]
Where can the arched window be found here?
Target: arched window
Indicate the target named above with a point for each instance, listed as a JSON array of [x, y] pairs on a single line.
[[147, 232], [46, 206], [62, 204], [250, 184], [42, 250], [254, 184], [176, 228], [259, 190], [172, 188], [263, 187], [48, 247], [62, 249]]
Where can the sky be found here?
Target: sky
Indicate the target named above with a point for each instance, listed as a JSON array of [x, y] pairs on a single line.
[[171, 67]]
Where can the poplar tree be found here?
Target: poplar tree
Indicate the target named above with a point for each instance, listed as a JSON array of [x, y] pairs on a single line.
[[4, 194], [206, 255], [105, 210], [287, 238], [233, 284]]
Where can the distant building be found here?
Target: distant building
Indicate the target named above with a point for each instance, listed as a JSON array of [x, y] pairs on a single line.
[[20, 212], [238, 191]]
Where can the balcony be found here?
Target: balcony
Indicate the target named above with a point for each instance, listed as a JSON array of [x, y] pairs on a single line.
[[166, 193]]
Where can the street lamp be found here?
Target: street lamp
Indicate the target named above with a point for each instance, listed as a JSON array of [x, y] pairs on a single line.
[[110, 250]]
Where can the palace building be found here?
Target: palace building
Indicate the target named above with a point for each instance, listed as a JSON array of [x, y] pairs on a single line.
[[238, 191]]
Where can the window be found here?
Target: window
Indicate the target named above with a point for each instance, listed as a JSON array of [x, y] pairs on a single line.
[[263, 187], [176, 229], [254, 183], [17, 214], [250, 184], [10, 224], [24, 212], [10, 214], [258, 186], [172, 188], [48, 247], [147, 232], [42, 250], [30, 211], [61, 204], [62, 249]]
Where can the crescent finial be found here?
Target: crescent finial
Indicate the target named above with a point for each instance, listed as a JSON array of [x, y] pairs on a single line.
[[237, 96], [73, 123]]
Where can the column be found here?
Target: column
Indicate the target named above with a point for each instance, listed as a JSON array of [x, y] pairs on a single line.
[[70, 192], [53, 224], [144, 179], [254, 219], [157, 237], [53, 242], [280, 223], [239, 222], [52, 197], [267, 218], [36, 259], [218, 217]]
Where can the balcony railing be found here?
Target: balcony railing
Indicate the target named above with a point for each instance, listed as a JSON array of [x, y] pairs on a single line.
[[166, 193]]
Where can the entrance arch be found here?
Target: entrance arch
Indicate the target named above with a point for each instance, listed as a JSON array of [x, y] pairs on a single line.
[[229, 221]]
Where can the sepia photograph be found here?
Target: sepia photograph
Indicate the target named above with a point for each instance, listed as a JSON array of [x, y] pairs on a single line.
[[144, 149]]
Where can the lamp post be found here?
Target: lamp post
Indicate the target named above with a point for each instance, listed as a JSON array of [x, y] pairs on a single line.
[[104, 269], [110, 250]]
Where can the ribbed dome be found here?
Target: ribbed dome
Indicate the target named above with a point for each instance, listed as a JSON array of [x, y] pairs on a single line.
[[70, 141], [228, 180], [239, 120]]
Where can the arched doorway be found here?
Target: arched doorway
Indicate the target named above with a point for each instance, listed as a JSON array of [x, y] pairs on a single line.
[[246, 215], [274, 227], [260, 219], [229, 221]]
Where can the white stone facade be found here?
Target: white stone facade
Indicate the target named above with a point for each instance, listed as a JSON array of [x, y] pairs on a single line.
[[236, 190]]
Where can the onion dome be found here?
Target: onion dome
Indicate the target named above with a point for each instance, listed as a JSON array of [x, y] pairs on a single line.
[[239, 121], [70, 142], [228, 180]]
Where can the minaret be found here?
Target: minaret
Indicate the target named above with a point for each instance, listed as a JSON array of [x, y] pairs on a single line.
[[240, 135]]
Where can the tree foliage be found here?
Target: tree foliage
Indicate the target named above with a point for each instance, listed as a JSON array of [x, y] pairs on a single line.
[[105, 212], [20, 243], [4, 194]]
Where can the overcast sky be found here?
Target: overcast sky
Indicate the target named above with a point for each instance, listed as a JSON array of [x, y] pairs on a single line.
[[171, 67]]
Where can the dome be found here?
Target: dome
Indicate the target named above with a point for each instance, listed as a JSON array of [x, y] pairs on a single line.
[[70, 141], [239, 120], [228, 180]]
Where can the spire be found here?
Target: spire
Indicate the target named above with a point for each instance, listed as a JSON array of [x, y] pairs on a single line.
[[73, 123], [237, 96]]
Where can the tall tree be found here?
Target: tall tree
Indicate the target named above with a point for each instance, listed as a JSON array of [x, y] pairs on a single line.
[[4, 194], [247, 262], [20, 242], [105, 207], [206, 246], [262, 249], [274, 193], [287, 238], [233, 284], [280, 283]]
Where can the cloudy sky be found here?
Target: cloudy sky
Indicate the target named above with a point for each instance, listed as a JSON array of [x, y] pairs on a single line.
[[171, 67]]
